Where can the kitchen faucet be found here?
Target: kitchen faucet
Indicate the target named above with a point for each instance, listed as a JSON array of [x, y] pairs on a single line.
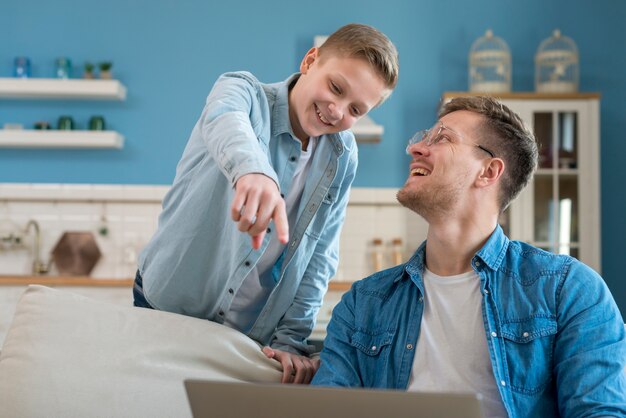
[[39, 267]]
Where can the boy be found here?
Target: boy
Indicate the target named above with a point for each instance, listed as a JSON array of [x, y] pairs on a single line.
[[263, 152]]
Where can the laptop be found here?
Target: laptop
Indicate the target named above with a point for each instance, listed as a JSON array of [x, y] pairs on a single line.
[[209, 399]]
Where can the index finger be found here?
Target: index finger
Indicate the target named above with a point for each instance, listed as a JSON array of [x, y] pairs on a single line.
[[281, 223]]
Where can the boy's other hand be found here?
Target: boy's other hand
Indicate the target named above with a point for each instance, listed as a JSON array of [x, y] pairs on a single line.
[[296, 369], [257, 201]]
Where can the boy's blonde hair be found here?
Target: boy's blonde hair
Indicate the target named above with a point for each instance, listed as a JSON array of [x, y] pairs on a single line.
[[362, 41]]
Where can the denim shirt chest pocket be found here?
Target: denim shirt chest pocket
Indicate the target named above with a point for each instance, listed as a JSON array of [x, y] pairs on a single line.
[[373, 350], [317, 225], [529, 344]]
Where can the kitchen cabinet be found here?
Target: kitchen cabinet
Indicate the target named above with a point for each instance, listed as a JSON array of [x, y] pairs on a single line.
[[72, 89], [559, 211]]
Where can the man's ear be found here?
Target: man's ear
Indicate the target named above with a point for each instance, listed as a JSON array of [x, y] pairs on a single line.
[[309, 59], [491, 172]]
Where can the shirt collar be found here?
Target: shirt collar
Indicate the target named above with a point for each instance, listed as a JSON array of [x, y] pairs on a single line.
[[280, 110], [492, 254], [494, 250]]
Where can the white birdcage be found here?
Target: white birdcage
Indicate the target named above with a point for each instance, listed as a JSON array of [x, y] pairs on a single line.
[[490, 65], [556, 65]]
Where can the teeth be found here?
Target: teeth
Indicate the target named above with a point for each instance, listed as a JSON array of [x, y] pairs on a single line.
[[420, 172], [323, 119]]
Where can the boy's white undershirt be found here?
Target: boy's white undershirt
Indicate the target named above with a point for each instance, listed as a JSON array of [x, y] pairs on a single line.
[[257, 286]]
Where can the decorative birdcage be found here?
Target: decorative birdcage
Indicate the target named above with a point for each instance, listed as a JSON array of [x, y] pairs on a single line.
[[490, 65], [556, 65]]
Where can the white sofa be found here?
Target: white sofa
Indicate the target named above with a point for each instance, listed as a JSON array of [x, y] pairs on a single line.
[[69, 356]]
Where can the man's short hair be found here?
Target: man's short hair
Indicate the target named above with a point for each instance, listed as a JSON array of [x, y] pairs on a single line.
[[503, 132], [356, 40]]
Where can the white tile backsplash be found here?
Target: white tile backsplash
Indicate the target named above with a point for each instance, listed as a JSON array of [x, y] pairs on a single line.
[[130, 213]]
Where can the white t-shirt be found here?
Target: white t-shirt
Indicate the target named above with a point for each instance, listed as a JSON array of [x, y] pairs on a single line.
[[452, 353], [258, 285]]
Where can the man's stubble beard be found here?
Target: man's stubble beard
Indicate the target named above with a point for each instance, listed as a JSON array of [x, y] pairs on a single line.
[[431, 203]]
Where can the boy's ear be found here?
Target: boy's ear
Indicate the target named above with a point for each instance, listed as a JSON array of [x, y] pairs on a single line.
[[308, 59]]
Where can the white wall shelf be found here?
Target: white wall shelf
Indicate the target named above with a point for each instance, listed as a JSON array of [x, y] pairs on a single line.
[[53, 88], [60, 139]]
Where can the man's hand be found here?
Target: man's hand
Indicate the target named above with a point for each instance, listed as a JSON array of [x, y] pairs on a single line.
[[296, 369], [257, 201]]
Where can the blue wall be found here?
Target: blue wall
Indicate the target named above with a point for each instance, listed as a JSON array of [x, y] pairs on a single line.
[[168, 54]]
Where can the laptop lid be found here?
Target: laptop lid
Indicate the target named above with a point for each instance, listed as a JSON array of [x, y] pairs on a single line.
[[251, 400]]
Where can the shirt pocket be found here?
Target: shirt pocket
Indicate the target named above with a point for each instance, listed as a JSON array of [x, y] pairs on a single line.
[[371, 344], [529, 344], [320, 218]]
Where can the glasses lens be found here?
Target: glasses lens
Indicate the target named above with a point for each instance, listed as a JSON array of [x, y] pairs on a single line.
[[417, 137], [435, 134]]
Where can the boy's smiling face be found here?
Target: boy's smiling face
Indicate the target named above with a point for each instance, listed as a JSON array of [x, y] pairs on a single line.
[[332, 94]]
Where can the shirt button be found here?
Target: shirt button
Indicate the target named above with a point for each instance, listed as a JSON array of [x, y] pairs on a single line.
[[525, 334], [231, 291], [421, 299], [486, 292], [282, 195], [374, 348], [502, 382], [477, 263], [269, 230], [247, 264], [494, 334], [292, 159], [409, 346], [221, 313]]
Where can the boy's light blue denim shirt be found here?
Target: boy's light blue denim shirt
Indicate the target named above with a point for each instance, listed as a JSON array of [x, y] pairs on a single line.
[[555, 335], [198, 258]]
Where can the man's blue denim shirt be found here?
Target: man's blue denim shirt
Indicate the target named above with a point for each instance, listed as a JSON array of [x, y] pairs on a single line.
[[555, 335]]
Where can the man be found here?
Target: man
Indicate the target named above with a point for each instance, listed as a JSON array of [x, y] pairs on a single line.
[[537, 334]]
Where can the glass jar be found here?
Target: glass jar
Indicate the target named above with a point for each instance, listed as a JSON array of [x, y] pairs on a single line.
[[21, 67], [96, 123], [63, 67], [377, 254], [397, 251], [65, 123], [41, 125]]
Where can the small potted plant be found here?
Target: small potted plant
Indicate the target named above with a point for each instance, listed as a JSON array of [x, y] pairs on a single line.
[[105, 69], [88, 73]]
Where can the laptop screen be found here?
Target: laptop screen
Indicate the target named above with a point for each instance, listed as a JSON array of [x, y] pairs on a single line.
[[252, 400]]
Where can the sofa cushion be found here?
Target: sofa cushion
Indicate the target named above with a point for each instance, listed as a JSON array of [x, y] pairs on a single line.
[[67, 355]]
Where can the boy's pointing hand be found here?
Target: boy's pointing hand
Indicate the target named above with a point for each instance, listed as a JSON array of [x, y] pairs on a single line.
[[257, 201]]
